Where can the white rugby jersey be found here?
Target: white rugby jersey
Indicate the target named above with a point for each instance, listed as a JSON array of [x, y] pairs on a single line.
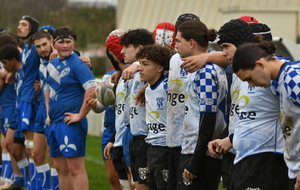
[[177, 86], [122, 110], [156, 112], [257, 129], [138, 125], [289, 89], [206, 93]]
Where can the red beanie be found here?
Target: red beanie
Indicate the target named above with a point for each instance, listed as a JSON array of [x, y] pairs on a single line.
[[113, 43], [248, 19]]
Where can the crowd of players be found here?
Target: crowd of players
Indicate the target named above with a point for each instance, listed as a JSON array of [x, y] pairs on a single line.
[[181, 120]]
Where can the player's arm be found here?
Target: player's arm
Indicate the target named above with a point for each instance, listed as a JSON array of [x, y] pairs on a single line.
[[206, 128], [46, 92], [195, 62], [94, 104], [84, 110], [129, 72], [2, 79]]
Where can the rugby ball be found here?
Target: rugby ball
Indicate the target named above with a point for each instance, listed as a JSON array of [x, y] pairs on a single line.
[[105, 93]]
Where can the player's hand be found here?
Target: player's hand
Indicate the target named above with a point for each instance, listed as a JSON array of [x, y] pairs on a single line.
[[72, 118], [107, 150], [87, 60], [91, 102], [129, 72], [188, 175], [140, 97], [48, 120], [37, 85], [115, 77], [297, 185], [195, 62], [223, 145], [212, 146], [53, 55]]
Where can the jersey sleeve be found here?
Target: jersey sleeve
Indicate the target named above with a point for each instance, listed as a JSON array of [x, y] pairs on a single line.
[[206, 87], [292, 84], [85, 76]]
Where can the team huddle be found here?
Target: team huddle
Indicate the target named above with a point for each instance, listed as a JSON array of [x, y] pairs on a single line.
[[181, 119]]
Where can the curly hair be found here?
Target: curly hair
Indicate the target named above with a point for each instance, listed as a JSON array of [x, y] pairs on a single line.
[[9, 51], [157, 54], [137, 37], [65, 31]]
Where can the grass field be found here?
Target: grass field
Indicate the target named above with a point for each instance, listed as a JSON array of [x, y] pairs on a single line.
[[95, 166]]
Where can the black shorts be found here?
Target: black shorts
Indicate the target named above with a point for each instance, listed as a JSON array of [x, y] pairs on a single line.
[[158, 166], [227, 169], [208, 178], [174, 171], [119, 164], [138, 158], [261, 171], [292, 183]]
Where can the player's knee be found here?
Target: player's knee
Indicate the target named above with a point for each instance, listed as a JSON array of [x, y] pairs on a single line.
[[28, 144]]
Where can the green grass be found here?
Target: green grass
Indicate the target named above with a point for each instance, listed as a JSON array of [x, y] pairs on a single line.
[[95, 167]]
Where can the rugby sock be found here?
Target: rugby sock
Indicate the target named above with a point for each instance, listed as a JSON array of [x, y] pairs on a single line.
[[32, 174], [7, 171], [24, 168], [43, 177], [19, 180], [55, 182]]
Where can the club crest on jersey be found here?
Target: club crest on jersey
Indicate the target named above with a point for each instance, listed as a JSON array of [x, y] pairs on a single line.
[[159, 101], [183, 72], [251, 87], [165, 174], [142, 172], [64, 72]]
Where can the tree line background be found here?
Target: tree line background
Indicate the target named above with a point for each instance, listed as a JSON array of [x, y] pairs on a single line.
[[92, 24]]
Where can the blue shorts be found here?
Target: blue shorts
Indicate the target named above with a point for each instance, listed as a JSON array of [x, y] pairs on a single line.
[[68, 141], [105, 139], [18, 134], [40, 120], [26, 116], [8, 118], [125, 142]]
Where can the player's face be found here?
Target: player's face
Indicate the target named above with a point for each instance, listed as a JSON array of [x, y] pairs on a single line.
[[23, 28], [256, 77], [149, 71], [129, 53], [228, 51], [9, 65], [43, 47], [182, 46], [64, 47]]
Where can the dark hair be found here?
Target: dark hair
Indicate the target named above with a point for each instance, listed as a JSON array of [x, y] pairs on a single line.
[[197, 30], [8, 39], [113, 61], [184, 17], [9, 52], [157, 54], [41, 34], [247, 54], [64, 31], [137, 37]]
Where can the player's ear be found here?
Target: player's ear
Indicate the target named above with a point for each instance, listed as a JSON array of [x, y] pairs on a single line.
[[160, 68], [260, 63]]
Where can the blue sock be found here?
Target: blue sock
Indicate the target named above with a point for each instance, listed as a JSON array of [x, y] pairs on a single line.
[[9, 173], [24, 168], [43, 177], [19, 180], [55, 182], [32, 174]]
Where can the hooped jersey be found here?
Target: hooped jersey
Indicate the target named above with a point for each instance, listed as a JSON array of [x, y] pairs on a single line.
[[289, 89], [122, 110], [257, 129], [206, 93], [177, 86], [138, 124], [67, 81], [156, 112]]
